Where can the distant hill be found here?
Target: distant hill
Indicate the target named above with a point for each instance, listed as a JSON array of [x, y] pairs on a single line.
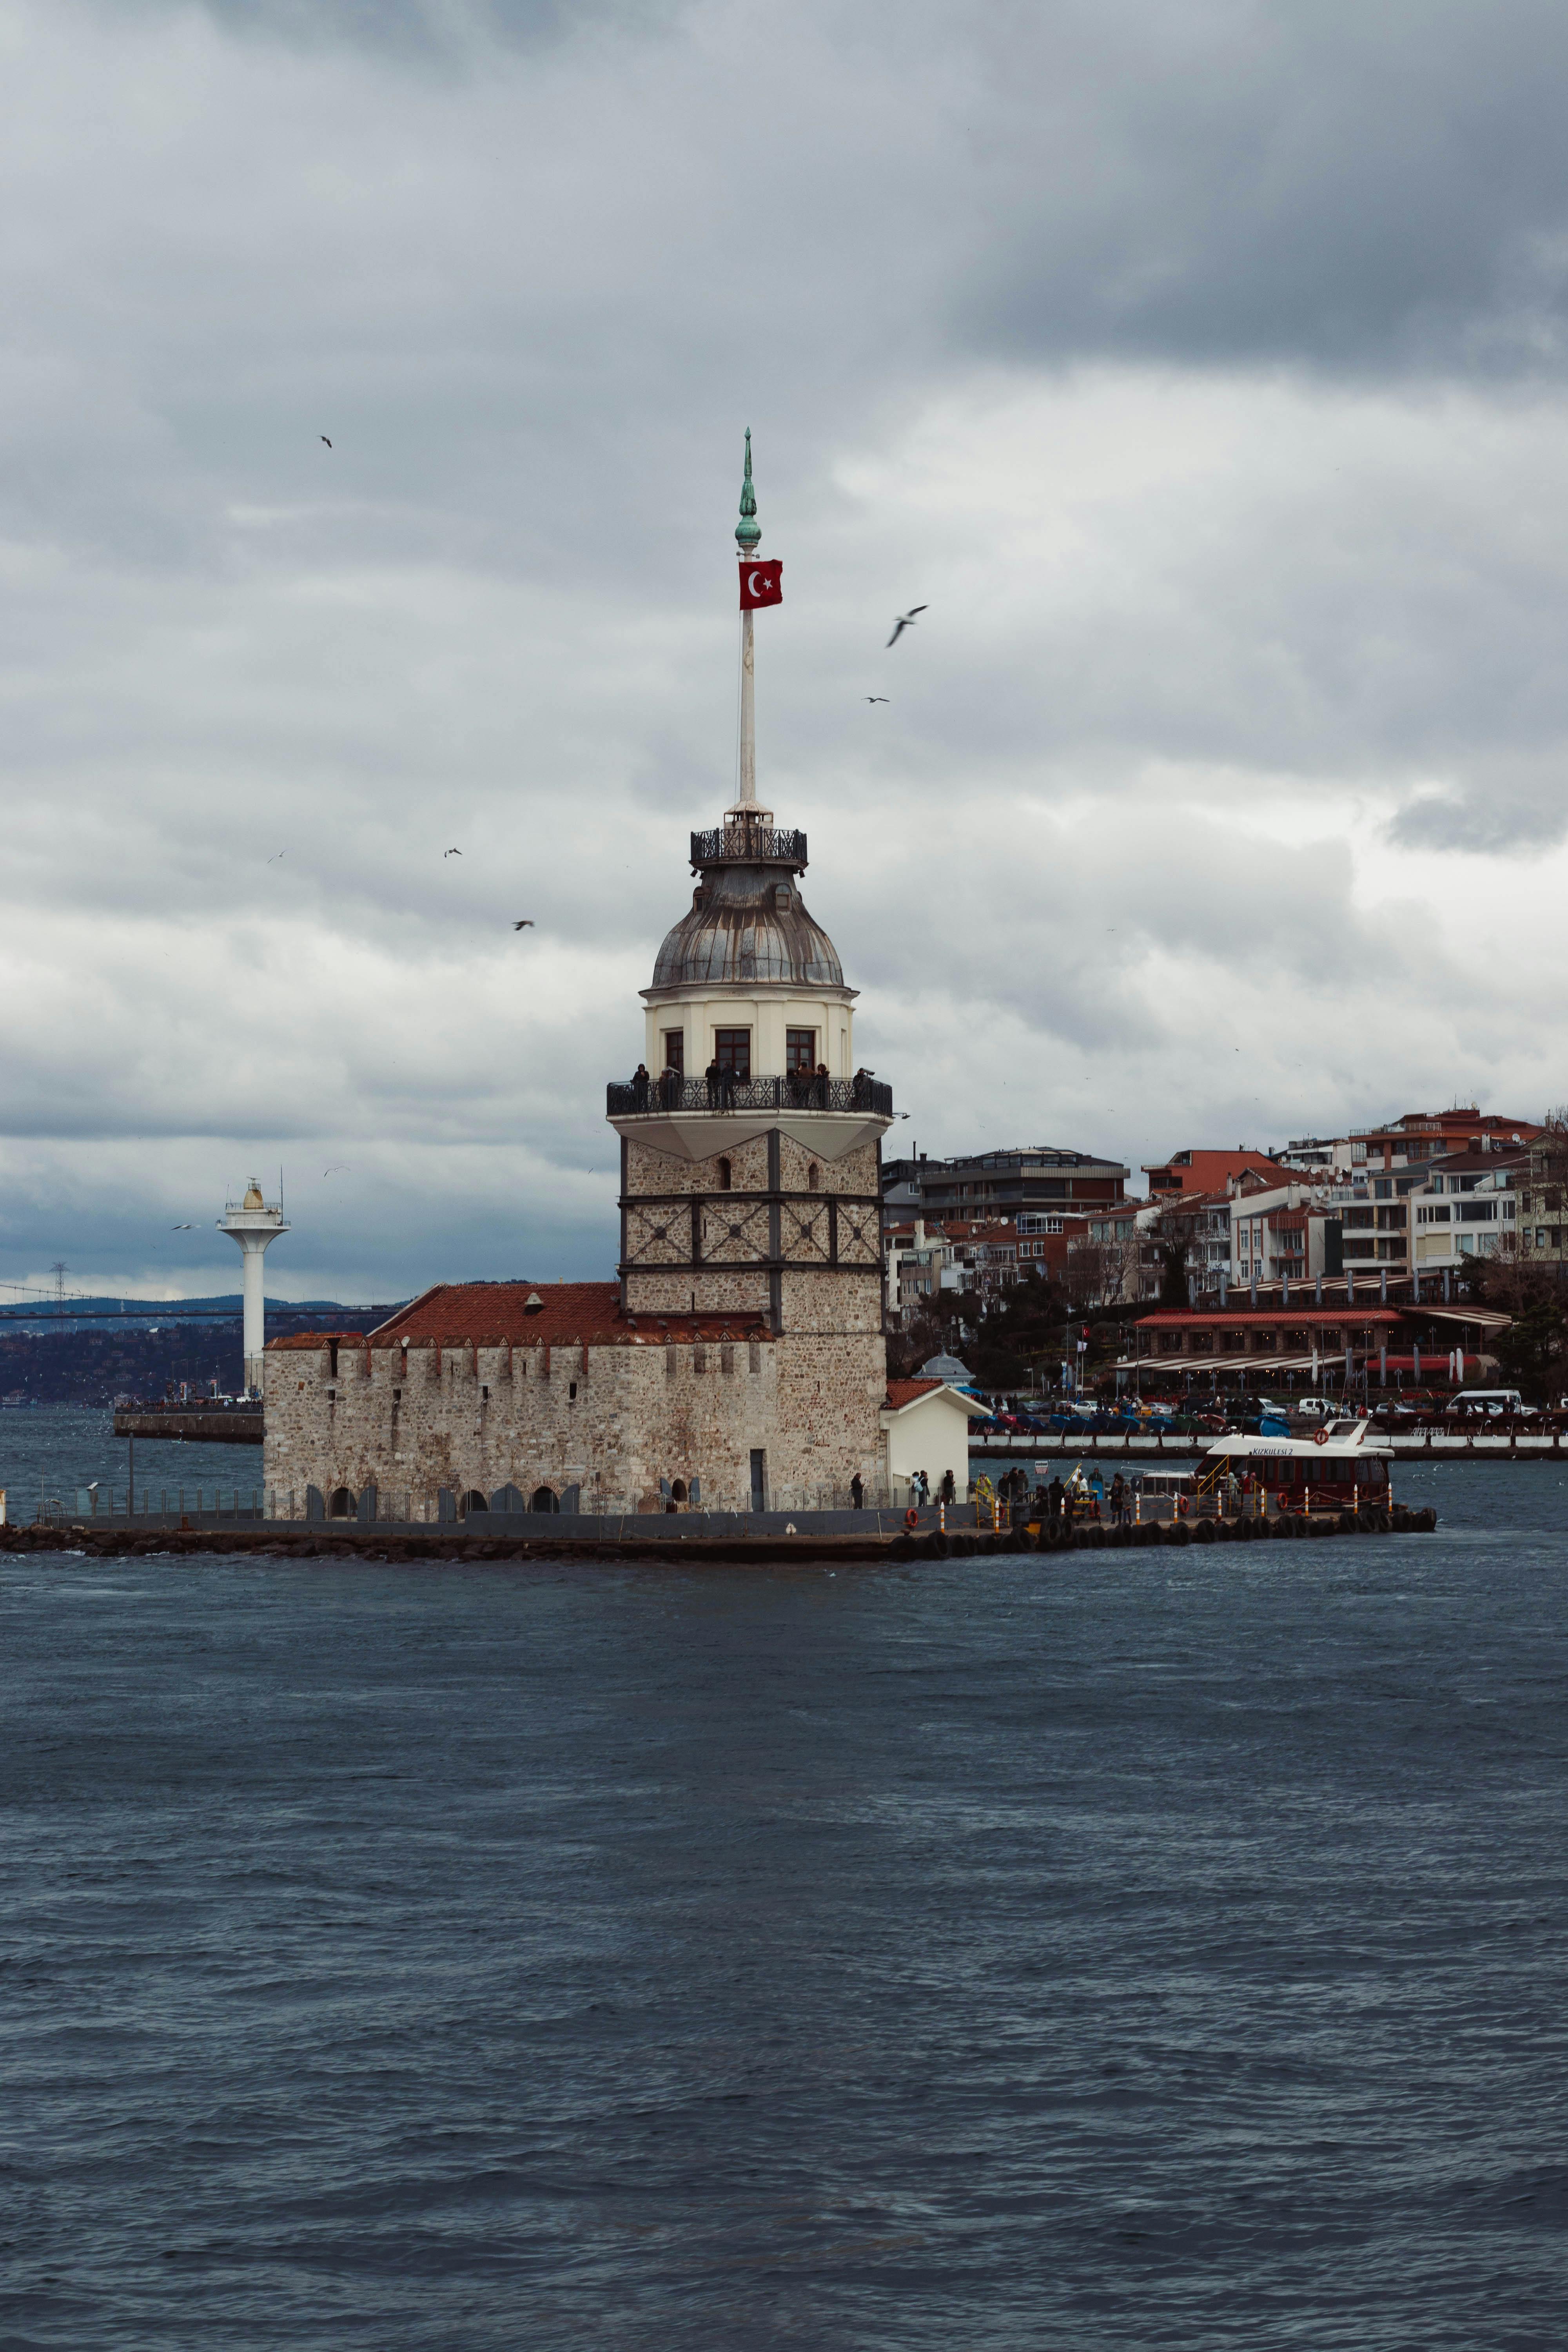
[[92, 1358]]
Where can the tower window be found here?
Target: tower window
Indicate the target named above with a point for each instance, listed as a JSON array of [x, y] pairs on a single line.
[[723, 1176], [800, 1051], [812, 1177], [675, 1051], [733, 1052]]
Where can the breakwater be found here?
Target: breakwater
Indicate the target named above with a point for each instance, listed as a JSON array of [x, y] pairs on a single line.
[[694, 1538]]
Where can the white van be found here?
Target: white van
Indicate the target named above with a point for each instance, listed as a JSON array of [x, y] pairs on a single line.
[[1493, 1402]]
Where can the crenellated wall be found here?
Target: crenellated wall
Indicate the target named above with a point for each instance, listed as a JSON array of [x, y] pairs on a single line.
[[613, 1421]]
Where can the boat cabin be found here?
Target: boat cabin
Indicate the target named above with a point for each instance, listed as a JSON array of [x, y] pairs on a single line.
[[1342, 1459]]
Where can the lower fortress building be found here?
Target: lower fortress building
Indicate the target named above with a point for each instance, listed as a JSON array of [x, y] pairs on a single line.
[[738, 1359]]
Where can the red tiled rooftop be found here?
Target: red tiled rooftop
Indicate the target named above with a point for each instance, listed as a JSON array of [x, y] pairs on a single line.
[[569, 1315], [903, 1392]]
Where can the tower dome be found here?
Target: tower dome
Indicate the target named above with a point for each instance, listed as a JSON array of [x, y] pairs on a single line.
[[747, 923]]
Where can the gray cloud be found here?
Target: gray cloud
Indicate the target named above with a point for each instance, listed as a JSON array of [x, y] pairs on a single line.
[[1162, 351]]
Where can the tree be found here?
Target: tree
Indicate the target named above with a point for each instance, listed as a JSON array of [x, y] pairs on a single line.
[[1094, 1274], [936, 1329], [1533, 1351]]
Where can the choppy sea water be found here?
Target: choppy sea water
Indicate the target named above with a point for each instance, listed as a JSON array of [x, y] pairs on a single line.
[[1116, 1951], [57, 1451]]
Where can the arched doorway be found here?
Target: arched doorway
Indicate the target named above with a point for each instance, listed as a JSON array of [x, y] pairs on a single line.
[[473, 1501], [341, 1505], [545, 1499], [678, 1490]]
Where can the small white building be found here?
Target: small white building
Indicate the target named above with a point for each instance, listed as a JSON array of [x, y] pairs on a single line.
[[925, 1426]]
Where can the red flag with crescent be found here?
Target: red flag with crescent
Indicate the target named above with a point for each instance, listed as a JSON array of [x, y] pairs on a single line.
[[760, 583]]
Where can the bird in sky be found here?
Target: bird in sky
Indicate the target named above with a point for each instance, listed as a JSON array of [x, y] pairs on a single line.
[[873, 698], [905, 621], [339, 1168], [524, 923], [273, 860], [182, 1229], [324, 439], [451, 853]]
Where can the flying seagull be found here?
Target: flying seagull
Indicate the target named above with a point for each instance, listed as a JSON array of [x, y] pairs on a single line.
[[525, 924], [324, 439], [182, 1229], [451, 853], [905, 621], [273, 860], [873, 698], [337, 1168]]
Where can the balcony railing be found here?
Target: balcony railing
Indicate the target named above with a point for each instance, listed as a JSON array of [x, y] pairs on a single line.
[[656, 1097], [748, 844]]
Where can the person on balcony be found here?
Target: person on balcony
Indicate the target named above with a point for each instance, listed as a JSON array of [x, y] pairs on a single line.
[[822, 1086], [715, 1077], [669, 1090], [641, 1086], [861, 1093]]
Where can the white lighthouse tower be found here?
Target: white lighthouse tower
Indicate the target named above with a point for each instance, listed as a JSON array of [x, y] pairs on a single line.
[[254, 1223]]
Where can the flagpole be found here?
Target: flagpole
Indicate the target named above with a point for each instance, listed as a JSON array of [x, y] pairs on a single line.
[[748, 537]]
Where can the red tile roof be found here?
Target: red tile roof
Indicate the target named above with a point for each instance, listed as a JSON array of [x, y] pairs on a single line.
[[903, 1392], [567, 1315], [1204, 1171]]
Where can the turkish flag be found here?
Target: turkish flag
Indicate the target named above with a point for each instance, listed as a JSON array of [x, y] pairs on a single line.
[[760, 583]]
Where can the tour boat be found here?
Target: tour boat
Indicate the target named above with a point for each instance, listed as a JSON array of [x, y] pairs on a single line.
[[1343, 1460]]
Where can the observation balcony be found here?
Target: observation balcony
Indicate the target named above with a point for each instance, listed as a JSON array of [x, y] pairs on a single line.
[[692, 1119], [748, 844], [658, 1097]]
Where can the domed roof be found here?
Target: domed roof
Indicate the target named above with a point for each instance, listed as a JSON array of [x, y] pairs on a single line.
[[748, 923]]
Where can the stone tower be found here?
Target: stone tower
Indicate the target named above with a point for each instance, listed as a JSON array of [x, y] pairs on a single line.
[[751, 1153]]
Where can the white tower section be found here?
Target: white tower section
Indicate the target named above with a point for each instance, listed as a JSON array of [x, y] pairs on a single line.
[[254, 1225]]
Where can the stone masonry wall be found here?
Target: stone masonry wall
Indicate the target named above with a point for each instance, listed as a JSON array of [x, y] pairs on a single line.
[[831, 1358], [479, 1420]]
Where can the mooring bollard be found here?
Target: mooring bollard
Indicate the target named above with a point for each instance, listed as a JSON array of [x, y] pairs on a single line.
[[942, 1518]]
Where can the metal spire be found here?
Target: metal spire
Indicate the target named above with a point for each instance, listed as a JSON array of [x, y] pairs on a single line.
[[747, 531]]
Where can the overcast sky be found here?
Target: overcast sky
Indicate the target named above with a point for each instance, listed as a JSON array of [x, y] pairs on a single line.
[[1202, 367]]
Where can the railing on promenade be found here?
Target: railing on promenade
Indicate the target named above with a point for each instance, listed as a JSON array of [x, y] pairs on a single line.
[[636, 1098], [162, 1508]]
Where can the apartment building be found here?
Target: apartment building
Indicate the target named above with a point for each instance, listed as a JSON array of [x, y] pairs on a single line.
[[1542, 1188], [1038, 1177], [1467, 1208], [1291, 1234]]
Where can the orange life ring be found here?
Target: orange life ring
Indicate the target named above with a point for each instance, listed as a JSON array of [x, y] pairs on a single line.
[[1320, 1437], [1181, 1507], [911, 1518]]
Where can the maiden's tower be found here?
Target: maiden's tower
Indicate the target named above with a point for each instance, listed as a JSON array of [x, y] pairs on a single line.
[[739, 1355]]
